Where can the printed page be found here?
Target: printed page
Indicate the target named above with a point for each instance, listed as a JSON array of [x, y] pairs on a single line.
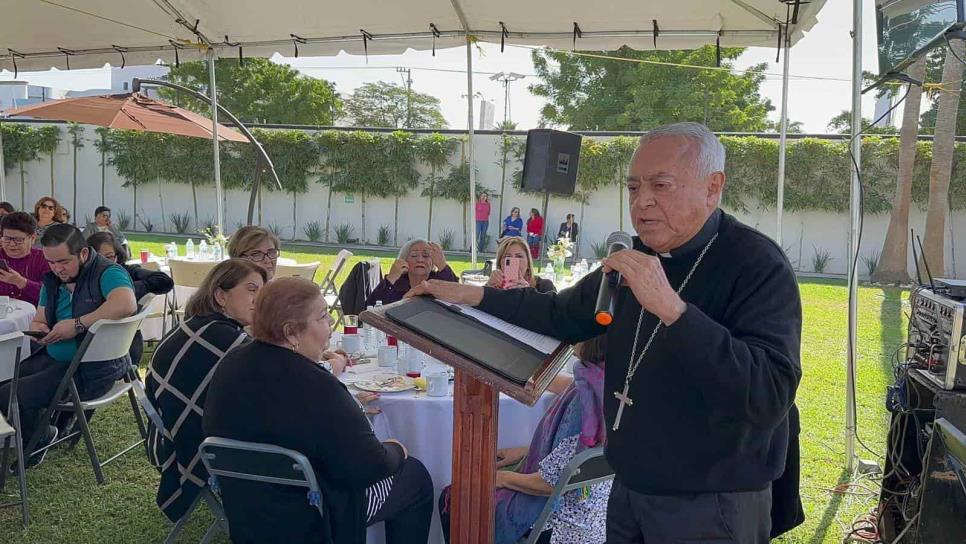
[[542, 343]]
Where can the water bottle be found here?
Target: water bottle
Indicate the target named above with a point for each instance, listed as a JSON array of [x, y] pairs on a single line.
[[369, 337], [203, 251], [171, 251], [219, 253], [189, 249], [380, 336]]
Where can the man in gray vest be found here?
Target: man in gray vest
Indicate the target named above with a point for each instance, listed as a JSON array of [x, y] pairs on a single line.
[[81, 288]]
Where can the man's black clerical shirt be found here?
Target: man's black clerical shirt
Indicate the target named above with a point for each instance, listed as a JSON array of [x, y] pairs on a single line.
[[712, 395]]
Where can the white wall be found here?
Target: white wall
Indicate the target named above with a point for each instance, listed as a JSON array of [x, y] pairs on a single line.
[[803, 232]]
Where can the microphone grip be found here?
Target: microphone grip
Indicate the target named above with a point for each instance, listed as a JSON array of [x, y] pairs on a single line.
[[604, 309]]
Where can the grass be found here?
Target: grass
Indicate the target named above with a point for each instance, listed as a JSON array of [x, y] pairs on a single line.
[[68, 506]]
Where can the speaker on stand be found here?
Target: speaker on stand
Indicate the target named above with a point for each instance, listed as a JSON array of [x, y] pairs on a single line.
[[550, 167]]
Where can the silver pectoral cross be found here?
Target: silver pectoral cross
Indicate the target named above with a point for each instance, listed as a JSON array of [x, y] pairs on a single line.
[[625, 400]]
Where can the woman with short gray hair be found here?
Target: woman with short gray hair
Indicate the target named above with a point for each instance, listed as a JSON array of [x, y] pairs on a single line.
[[418, 261]]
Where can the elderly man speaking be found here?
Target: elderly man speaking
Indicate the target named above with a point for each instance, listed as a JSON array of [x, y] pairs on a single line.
[[703, 353]]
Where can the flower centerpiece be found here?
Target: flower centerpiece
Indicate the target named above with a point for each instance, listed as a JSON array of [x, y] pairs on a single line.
[[215, 239], [558, 253]]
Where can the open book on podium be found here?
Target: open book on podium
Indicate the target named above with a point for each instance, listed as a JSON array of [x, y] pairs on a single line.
[[512, 359]]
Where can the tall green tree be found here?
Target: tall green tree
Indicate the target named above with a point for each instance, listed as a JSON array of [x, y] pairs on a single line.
[[103, 145], [139, 158], [259, 90], [592, 93], [189, 161], [295, 155], [384, 104], [75, 132], [401, 174], [48, 138], [19, 147], [434, 151], [456, 186]]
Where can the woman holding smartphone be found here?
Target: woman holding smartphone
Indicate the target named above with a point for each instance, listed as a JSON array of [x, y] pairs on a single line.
[[514, 268]]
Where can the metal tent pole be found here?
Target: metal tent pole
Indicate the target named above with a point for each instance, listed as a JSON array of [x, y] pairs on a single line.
[[783, 133], [213, 91], [469, 125], [854, 209], [3, 171]]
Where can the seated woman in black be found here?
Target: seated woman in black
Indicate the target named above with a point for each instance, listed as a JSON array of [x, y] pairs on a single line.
[[514, 268], [275, 391], [145, 281], [177, 380]]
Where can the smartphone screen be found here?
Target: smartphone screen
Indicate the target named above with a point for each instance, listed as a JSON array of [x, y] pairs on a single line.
[[35, 334]]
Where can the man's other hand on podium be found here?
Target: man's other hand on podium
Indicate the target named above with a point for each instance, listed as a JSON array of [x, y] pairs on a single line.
[[448, 291]]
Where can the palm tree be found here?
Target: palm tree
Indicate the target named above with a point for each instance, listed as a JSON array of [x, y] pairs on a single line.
[[893, 261], [940, 170]]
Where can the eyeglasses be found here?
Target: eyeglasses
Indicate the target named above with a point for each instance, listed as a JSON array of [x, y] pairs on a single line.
[[110, 256], [11, 240], [49, 206], [259, 256]]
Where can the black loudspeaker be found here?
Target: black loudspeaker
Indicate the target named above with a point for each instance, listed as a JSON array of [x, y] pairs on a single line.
[[550, 162]]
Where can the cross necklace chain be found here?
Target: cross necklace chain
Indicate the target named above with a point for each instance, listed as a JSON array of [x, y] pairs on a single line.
[[624, 397]]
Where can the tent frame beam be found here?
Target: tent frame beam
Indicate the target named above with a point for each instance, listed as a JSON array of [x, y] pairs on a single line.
[[484, 35]]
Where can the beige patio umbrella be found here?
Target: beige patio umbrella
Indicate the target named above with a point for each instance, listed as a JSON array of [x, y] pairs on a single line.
[[131, 111]]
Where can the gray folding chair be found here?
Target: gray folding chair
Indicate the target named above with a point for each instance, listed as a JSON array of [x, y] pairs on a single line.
[[221, 522], [587, 468], [106, 340], [11, 345], [256, 462]]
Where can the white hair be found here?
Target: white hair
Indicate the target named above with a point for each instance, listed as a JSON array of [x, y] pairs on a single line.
[[710, 154], [404, 250]]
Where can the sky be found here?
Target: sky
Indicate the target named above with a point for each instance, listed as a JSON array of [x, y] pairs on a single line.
[[824, 53]]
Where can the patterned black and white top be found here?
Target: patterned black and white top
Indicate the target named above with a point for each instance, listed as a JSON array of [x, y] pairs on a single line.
[[177, 384]]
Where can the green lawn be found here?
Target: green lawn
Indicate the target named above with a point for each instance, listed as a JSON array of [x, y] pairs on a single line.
[[68, 506]]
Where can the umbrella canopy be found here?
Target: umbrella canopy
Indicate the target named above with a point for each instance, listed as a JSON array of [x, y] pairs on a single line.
[[90, 33], [131, 111]]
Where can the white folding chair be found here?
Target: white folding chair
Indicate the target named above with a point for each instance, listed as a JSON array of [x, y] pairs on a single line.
[[187, 277], [106, 340], [329, 290], [10, 352], [306, 270]]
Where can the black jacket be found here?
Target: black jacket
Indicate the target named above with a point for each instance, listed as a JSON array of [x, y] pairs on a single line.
[[356, 289], [269, 394], [148, 281]]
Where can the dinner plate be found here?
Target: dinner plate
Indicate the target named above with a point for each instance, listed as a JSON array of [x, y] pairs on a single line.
[[386, 383]]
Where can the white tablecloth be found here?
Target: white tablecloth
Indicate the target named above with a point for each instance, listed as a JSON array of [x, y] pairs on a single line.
[[19, 320], [425, 425]]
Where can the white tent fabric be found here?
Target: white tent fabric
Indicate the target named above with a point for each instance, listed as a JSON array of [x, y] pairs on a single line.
[[40, 34]]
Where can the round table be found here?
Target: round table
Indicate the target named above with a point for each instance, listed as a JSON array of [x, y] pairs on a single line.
[[425, 425], [19, 320]]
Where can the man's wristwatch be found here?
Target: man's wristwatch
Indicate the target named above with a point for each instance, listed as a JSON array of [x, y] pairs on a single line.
[[79, 327]]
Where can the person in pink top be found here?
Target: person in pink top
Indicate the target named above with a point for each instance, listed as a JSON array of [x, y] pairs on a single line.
[[482, 218], [22, 266]]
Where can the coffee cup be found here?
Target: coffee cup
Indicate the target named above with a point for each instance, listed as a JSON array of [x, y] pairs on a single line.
[[351, 344], [387, 355], [437, 384]]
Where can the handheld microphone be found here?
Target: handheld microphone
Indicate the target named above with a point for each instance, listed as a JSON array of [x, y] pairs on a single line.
[[604, 310]]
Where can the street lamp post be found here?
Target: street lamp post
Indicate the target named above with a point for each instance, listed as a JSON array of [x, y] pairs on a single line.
[[506, 78], [408, 80]]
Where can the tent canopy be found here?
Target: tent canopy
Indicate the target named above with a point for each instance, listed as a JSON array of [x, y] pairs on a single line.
[[40, 34]]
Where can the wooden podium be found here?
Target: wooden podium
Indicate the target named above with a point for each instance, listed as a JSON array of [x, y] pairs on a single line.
[[475, 418]]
